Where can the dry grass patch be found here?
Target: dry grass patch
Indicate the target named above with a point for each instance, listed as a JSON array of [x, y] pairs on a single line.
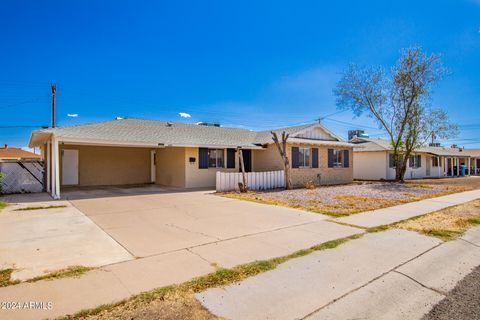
[[6, 277], [178, 301], [446, 224], [69, 272], [40, 208]]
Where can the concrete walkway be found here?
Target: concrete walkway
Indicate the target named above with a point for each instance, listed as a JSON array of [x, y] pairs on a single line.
[[401, 212], [121, 280], [395, 274]]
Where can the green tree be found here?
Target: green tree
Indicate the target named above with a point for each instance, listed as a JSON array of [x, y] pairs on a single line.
[[399, 101]]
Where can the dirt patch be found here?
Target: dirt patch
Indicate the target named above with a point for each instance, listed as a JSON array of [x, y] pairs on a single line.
[[348, 199], [446, 224]]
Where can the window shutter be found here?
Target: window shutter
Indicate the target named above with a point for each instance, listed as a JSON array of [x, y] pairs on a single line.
[[230, 158], [295, 155], [314, 157], [346, 159], [410, 161], [330, 158], [202, 158], [419, 161], [391, 161]]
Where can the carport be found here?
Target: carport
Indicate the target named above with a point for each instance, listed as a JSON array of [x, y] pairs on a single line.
[[72, 162]]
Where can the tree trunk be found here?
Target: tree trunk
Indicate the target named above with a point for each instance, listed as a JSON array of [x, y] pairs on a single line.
[[282, 149], [244, 187]]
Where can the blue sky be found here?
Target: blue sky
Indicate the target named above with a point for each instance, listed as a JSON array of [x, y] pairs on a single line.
[[252, 64]]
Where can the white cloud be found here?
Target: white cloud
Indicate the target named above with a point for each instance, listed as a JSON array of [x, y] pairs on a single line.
[[72, 115], [184, 115]]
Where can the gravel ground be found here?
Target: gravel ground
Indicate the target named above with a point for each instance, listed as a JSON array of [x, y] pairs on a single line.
[[462, 303], [376, 190], [348, 199]]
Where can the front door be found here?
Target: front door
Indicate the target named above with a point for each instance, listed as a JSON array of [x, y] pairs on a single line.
[[247, 160], [429, 163], [69, 167], [153, 166]]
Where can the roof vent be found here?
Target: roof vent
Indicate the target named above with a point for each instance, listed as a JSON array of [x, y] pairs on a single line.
[[208, 124]]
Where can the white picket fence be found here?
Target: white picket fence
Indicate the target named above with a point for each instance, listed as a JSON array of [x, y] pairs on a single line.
[[228, 181]]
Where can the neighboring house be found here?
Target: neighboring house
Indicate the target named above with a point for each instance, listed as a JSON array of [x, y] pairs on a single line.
[[373, 160], [9, 153], [475, 161], [134, 151]]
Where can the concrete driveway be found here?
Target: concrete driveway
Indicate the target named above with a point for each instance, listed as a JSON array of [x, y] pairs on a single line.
[[148, 224], [37, 241]]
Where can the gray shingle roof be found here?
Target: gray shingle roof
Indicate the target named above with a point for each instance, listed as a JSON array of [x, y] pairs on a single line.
[[369, 145], [153, 132]]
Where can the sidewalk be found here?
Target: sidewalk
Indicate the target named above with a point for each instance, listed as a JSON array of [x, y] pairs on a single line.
[[387, 275]]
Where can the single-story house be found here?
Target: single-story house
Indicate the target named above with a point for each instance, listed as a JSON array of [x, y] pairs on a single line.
[[475, 160], [135, 151], [9, 153], [373, 160]]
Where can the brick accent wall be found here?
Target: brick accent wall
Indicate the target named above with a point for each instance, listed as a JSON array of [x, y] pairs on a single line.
[[269, 159]]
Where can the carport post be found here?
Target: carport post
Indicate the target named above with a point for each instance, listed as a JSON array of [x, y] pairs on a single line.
[[55, 170], [47, 165], [469, 168]]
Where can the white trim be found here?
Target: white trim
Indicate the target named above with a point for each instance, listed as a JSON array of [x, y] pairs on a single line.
[[55, 169], [48, 164], [147, 145]]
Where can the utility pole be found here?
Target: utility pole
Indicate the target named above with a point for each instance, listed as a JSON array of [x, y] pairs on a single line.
[[54, 90]]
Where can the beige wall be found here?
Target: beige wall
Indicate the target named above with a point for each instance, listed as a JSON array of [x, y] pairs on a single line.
[[370, 165], [197, 178], [269, 159], [99, 165], [170, 169]]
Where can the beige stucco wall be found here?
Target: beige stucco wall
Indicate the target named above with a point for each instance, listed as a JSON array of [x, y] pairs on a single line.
[[370, 165], [99, 165], [170, 168], [375, 166], [269, 159], [199, 178]]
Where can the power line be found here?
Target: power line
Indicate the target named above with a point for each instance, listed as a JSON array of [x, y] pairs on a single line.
[[11, 127]]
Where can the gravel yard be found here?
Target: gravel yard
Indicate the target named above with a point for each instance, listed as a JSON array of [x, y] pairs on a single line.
[[348, 199]]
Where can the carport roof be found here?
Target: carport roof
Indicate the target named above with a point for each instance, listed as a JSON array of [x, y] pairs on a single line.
[[154, 133]]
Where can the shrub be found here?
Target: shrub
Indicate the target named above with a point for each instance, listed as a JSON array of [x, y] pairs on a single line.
[[309, 185]]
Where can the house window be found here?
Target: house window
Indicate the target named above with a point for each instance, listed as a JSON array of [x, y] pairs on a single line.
[[415, 161], [215, 158], [338, 158], [435, 161], [304, 157], [391, 160]]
